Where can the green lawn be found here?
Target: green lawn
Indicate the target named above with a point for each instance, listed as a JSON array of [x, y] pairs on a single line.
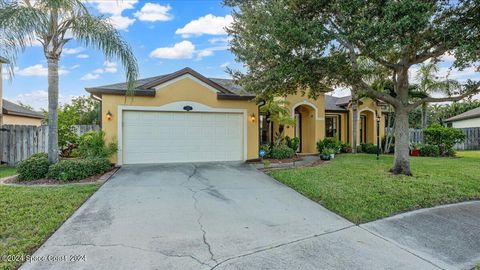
[[7, 171], [361, 189], [28, 215]]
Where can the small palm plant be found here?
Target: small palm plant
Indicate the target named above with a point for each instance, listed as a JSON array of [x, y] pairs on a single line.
[[278, 112], [428, 83], [54, 23]]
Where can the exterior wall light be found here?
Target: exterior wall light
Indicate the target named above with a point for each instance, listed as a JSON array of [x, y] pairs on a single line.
[[109, 115], [252, 117]]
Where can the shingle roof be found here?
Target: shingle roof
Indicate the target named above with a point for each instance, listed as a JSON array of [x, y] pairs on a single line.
[[227, 89], [15, 109], [466, 115], [335, 103]]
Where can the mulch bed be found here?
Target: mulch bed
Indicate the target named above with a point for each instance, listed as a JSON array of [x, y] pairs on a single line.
[[48, 181]]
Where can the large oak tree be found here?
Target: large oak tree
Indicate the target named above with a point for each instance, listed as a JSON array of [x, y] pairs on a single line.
[[314, 46]]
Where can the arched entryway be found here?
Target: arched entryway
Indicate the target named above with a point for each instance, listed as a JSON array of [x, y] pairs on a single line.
[[305, 127], [366, 127]]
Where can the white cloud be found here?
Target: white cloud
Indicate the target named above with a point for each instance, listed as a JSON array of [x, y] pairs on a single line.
[[204, 53], [83, 56], [224, 65], [72, 50], [108, 67], [38, 99], [152, 12], [90, 76], [121, 22], [37, 70], [182, 50], [218, 40], [208, 24], [74, 66], [114, 7]]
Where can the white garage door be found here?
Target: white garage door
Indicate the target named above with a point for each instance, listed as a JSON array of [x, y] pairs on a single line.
[[163, 137]]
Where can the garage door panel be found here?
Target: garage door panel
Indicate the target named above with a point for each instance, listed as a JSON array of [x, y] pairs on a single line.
[[162, 137]]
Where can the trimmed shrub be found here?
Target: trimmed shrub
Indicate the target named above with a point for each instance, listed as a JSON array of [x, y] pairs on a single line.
[[33, 168], [332, 143], [76, 169], [266, 148], [92, 144], [346, 148], [368, 148], [428, 150], [281, 152], [293, 143], [443, 137]]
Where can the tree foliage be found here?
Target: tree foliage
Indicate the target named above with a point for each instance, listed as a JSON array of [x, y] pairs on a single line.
[[313, 46]]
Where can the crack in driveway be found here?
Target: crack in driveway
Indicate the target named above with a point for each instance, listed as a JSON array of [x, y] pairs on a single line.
[[138, 248], [200, 214], [279, 245]]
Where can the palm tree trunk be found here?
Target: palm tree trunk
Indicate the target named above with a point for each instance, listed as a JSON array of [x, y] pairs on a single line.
[[52, 109], [424, 114]]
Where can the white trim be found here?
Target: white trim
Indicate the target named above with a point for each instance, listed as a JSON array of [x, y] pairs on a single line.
[[184, 76], [305, 102], [177, 107]]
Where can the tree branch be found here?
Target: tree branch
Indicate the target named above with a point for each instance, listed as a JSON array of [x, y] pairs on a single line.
[[427, 55], [444, 99]]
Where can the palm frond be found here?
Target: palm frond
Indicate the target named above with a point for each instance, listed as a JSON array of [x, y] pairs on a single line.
[[100, 34], [19, 24]]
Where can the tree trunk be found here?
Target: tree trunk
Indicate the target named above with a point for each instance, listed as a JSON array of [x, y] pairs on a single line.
[[389, 136], [354, 123], [402, 141], [424, 115], [52, 109]]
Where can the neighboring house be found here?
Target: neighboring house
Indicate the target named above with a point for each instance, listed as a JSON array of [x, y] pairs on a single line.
[[13, 114], [467, 119], [186, 117]]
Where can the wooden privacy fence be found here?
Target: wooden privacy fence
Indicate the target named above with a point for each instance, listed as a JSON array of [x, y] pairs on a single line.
[[472, 138], [18, 142]]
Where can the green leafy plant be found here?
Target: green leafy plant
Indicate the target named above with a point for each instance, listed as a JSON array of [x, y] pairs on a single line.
[[33, 168], [293, 143], [332, 143], [278, 112], [281, 152], [443, 137], [92, 144], [76, 169], [428, 150], [266, 148], [345, 148], [266, 163], [368, 148], [329, 151]]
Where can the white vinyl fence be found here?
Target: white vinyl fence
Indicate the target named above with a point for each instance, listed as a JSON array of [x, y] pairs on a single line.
[[19, 142]]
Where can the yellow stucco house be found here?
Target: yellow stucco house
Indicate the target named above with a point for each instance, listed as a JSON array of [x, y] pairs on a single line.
[[13, 114], [186, 117]]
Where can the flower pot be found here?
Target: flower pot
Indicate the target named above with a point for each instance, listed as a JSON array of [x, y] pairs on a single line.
[[415, 152], [332, 156], [325, 157]]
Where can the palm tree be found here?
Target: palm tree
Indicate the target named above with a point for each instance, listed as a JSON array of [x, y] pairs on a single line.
[[428, 83], [54, 23]]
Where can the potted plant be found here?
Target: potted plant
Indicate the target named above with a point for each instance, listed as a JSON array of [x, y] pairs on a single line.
[[327, 154], [414, 150]]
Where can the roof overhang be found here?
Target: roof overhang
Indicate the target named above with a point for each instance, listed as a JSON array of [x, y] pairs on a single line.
[[454, 119], [222, 96], [13, 113], [137, 92]]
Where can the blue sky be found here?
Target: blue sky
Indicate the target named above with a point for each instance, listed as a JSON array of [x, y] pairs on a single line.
[[164, 35]]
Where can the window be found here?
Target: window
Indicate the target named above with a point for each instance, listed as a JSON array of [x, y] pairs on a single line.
[[332, 126]]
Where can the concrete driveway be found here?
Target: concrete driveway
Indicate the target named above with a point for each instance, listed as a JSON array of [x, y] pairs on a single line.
[[212, 216]]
